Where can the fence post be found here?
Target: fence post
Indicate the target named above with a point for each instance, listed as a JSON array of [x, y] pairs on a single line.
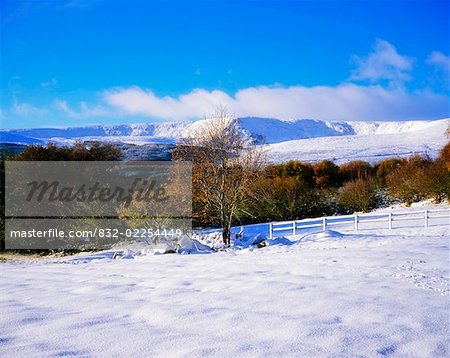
[[356, 221], [294, 228], [426, 217], [324, 224], [270, 231], [390, 221]]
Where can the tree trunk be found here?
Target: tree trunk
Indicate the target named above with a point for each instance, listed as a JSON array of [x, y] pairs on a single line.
[[226, 232]]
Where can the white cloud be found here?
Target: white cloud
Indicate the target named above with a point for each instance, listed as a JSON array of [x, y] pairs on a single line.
[[63, 106], [84, 111], [195, 104], [88, 111], [26, 110], [384, 63], [52, 83], [345, 102], [440, 60]]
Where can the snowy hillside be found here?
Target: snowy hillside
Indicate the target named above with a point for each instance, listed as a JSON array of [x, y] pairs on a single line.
[[382, 142], [302, 139], [267, 130], [11, 137], [368, 294], [159, 131]]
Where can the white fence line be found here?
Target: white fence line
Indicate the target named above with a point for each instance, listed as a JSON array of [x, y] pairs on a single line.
[[356, 219]]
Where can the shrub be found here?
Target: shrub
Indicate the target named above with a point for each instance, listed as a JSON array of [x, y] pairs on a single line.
[[444, 155], [95, 151], [412, 181], [438, 183], [357, 195], [79, 152], [355, 170], [387, 166], [49, 152], [281, 198], [304, 172], [326, 174]]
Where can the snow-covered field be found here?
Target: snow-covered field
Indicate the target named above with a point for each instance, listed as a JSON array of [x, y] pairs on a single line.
[[365, 294]]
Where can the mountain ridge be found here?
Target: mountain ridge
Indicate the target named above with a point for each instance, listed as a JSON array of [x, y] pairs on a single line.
[[260, 130]]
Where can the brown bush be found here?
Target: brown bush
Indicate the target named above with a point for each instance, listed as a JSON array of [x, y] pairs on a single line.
[[79, 152], [438, 181], [357, 195], [281, 198], [95, 151], [49, 152], [357, 169], [444, 155], [386, 167], [326, 174], [304, 172], [412, 181]]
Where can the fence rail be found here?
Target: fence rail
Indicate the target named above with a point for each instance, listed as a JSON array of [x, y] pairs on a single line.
[[356, 220]]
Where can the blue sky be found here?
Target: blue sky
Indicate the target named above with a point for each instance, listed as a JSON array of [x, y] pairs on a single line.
[[79, 62]]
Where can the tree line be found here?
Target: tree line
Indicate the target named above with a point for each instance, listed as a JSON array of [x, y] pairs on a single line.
[[296, 190]]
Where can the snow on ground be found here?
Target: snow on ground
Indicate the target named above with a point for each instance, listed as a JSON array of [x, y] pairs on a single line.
[[372, 293]]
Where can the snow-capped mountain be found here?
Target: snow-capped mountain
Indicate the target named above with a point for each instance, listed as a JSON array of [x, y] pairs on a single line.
[[263, 130], [303, 139]]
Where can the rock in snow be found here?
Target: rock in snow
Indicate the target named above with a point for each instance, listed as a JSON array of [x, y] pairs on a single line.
[[186, 245]]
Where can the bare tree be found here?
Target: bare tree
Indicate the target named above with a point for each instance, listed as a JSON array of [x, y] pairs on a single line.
[[224, 165]]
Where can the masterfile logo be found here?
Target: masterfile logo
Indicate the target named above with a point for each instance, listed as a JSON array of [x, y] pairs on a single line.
[[73, 205], [97, 189]]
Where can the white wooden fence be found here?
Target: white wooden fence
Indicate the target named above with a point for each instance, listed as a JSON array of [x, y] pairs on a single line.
[[422, 217]]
